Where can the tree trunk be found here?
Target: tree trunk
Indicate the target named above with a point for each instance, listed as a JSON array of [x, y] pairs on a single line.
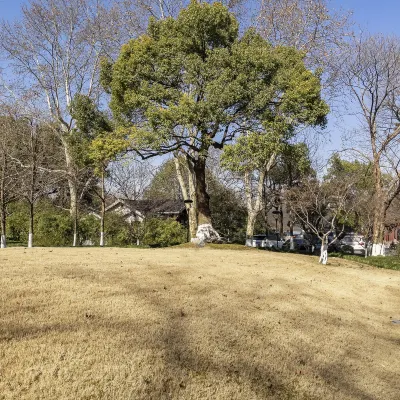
[[255, 199], [251, 221], [281, 221], [71, 178], [75, 218], [202, 197], [378, 248], [103, 209], [323, 259], [379, 212], [205, 230], [193, 223], [3, 217], [189, 193], [30, 235]]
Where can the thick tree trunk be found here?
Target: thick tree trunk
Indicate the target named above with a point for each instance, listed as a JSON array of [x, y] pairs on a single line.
[[202, 197], [205, 230]]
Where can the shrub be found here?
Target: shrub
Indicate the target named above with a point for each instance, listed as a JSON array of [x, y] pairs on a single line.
[[17, 222], [164, 232], [53, 228]]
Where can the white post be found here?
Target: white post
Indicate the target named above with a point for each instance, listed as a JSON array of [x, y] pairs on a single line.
[[291, 243], [75, 240], [30, 240], [3, 242], [101, 239]]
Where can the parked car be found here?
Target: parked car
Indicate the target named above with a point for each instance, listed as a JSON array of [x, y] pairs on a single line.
[[269, 241], [353, 244], [317, 244], [301, 245]]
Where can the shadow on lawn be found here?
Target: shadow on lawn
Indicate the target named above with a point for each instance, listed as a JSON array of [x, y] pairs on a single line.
[[210, 340]]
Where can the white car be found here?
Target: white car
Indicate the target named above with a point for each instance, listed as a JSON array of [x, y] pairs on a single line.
[[353, 244]]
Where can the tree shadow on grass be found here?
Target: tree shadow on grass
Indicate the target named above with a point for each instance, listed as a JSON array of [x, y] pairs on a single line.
[[214, 340]]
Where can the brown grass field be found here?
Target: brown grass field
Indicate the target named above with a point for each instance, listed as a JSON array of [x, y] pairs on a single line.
[[187, 323]]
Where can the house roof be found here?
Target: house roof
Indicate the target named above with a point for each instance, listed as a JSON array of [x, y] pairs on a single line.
[[150, 206]]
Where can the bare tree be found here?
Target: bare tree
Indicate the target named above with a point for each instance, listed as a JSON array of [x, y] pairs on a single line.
[[371, 77], [322, 208], [56, 49], [129, 177], [35, 159], [312, 26], [8, 172]]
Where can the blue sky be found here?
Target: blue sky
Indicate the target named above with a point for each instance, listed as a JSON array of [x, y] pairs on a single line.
[[376, 16], [370, 15]]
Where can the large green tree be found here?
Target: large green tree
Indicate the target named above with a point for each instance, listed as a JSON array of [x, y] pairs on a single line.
[[192, 83]]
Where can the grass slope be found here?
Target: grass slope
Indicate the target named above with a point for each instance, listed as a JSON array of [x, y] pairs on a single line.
[[190, 323]]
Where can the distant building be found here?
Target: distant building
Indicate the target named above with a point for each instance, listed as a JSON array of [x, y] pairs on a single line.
[[138, 210]]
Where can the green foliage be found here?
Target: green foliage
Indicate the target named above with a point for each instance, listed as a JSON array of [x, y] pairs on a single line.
[[293, 164], [362, 172], [18, 222], [53, 228], [118, 232], [164, 232], [228, 213], [251, 151], [94, 141], [89, 119]]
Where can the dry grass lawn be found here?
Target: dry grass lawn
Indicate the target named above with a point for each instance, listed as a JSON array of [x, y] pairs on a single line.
[[188, 323]]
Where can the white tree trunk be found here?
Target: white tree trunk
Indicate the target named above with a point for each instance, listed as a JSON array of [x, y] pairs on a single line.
[[323, 259], [378, 249], [30, 240], [101, 239], [3, 242]]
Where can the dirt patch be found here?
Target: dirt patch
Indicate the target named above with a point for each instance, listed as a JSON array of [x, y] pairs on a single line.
[[195, 323]]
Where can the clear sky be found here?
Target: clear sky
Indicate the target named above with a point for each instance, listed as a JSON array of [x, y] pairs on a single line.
[[376, 16]]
